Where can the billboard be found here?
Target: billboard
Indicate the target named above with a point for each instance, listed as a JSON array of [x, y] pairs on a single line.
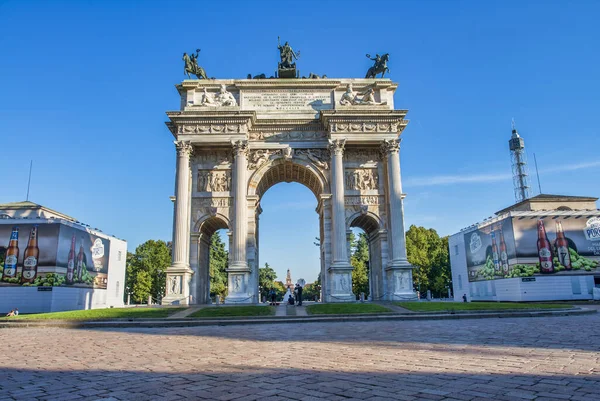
[[530, 246], [52, 255]]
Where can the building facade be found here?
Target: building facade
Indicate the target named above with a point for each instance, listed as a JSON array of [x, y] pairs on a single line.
[[237, 138], [541, 249], [49, 262]]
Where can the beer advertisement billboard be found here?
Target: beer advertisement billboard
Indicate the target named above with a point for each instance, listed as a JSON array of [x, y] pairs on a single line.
[[552, 245], [43, 255], [490, 250]]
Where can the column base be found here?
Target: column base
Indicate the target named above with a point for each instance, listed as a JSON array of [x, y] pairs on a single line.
[[239, 289], [178, 282], [340, 283], [399, 281]]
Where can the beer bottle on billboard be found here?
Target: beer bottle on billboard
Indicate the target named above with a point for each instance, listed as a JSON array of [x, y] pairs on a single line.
[[31, 257], [80, 262], [503, 254], [71, 263], [562, 247], [544, 249], [497, 269], [12, 256]]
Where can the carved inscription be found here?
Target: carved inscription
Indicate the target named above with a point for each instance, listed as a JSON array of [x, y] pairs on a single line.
[[361, 200], [289, 99], [211, 202]]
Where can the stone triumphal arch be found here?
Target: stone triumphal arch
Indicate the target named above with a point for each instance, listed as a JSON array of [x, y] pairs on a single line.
[[237, 138]]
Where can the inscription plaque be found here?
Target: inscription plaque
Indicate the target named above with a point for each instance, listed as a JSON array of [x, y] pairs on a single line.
[[286, 100]]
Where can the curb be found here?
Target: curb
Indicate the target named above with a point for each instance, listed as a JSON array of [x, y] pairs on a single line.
[[277, 320]]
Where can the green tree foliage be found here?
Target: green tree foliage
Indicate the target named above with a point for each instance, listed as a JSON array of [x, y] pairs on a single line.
[[266, 278], [145, 271], [360, 261], [280, 289], [218, 266], [429, 254]]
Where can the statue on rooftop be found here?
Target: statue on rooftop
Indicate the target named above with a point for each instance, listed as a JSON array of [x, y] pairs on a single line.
[[380, 66], [192, 67]]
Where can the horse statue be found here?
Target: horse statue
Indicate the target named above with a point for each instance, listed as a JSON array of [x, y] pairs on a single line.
[[379, 67], [192, 67]]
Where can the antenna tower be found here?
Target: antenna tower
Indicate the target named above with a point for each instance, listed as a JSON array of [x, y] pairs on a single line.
[[520, 172]]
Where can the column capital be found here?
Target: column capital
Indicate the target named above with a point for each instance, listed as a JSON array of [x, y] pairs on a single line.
[[240, 147], [336, 147], [184, 148], [390, 146]]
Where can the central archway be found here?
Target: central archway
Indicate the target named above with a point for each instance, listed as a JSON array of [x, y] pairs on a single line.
[[288, 170]]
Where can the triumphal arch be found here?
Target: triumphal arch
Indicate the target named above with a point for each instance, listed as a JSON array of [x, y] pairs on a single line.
[[237, 138]]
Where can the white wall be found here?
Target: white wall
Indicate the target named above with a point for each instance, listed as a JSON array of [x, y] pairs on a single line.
[[116, 273], [458, 266], [30, 300], [544, 288]]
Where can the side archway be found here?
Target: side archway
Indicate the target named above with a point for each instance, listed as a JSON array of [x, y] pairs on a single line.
[[204, 229], [373, 227]]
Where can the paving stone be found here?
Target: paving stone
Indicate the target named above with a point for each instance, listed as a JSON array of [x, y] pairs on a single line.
[[467, 359]]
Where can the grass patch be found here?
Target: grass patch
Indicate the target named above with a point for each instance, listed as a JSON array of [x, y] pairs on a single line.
[[97, 314], [229, 311], [474, 306], [344, 309]]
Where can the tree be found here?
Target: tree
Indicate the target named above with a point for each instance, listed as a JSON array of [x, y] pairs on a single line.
[[145, 270], [266, 277], [360, 261], [280, 289], [218, 266], [429, 254]]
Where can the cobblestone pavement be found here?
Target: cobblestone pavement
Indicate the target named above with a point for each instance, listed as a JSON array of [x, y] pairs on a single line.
[[553, 358]]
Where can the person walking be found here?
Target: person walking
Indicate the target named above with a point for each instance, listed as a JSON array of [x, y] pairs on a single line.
[[272, 296], [464, 297], [299, 290]]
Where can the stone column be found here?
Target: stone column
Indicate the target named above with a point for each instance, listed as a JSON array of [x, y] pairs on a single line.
[[399, 271], [179, 273], [238, 271], [340, 269], [182, 204]]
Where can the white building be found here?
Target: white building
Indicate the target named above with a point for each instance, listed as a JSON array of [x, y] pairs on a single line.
[[541, 249], [76, 267]]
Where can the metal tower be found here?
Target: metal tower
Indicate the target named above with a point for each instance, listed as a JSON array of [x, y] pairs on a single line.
[[519, 165]]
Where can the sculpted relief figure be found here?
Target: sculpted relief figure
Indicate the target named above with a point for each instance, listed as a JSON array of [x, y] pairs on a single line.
[[359, 180], [225, 98], [258, 157], [367, 97], [317, 156], [207, 99], [349, 97], [175, 285], [213, 181]]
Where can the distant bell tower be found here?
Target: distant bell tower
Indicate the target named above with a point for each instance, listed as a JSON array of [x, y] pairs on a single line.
[[519, 165]]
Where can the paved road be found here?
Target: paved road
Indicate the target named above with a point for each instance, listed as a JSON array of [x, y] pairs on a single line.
[[500, 359]]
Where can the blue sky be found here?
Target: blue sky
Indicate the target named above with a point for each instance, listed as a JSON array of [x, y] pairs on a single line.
[[84, 87]]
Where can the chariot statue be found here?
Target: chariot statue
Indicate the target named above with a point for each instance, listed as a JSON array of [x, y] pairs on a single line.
[[192, 67]]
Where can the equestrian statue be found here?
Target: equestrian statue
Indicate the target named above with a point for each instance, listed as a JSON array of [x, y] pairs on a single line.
[[192, 67], [380, 66]]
